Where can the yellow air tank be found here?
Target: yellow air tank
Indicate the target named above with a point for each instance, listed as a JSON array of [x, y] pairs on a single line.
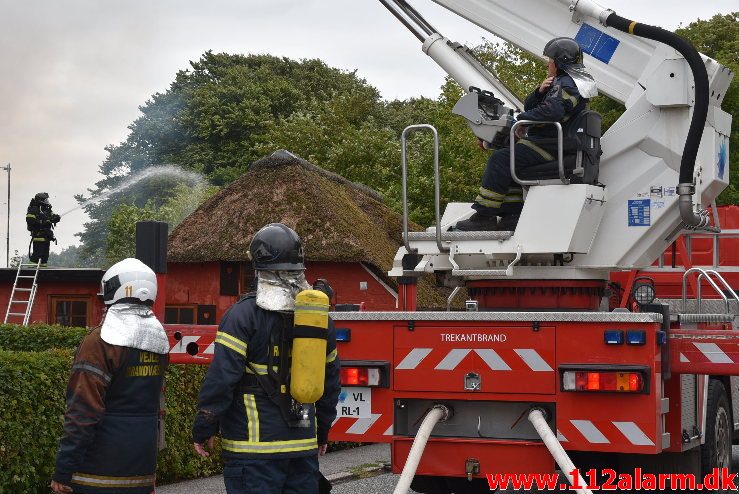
[[309, 346]]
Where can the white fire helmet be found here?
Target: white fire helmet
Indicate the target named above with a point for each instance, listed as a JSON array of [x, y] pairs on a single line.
[[129, 280]]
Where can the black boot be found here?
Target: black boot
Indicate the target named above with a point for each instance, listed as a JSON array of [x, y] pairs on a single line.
[[508, 223], [477, 223]]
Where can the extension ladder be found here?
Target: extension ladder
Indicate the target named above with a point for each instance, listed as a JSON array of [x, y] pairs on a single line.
[[24, 270]]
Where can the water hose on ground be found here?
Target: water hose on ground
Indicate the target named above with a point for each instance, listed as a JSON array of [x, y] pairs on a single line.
[[539, 421], [437, 414]]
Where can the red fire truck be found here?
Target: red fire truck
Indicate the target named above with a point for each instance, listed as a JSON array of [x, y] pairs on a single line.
[[574, 348]]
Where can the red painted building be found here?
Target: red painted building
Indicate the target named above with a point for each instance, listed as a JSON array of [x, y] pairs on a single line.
[[66, 296], [350, 239]]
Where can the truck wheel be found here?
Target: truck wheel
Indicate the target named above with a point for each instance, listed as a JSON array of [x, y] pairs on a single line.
[[716, 451]]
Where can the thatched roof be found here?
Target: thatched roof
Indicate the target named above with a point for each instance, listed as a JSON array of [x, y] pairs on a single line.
[[338, 220]]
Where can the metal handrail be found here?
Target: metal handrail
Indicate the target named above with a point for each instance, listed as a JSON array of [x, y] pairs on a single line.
[[726, 285], [437, 199], [715, 238], [560, 158], [702, 273]]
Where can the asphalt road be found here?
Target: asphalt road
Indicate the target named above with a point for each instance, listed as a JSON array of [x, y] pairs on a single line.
[[356, 471]]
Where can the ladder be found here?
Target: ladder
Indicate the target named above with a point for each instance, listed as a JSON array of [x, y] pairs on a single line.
[[23, 277]]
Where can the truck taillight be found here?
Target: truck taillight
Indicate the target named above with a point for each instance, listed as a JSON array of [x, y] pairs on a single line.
[[609, 381], [360, 376]]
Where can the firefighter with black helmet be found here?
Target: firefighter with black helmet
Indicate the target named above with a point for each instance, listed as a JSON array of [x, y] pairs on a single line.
[[562, 95], [40, 221], [112, 422], [273, 385]]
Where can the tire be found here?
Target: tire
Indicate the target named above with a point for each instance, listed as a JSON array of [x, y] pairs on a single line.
[[716, 451]]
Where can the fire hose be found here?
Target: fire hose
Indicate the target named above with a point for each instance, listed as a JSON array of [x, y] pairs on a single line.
[[438, 413], [539, 421]]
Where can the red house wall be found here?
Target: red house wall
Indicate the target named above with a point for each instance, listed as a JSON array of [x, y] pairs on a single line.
[[199, 284], [40, 312], [345, 278]]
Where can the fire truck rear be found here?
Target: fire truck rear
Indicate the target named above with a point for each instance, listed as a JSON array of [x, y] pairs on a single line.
[[556, 362], [573, 350]]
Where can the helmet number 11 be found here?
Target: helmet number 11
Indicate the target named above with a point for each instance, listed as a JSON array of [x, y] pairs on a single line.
[[129, 291]]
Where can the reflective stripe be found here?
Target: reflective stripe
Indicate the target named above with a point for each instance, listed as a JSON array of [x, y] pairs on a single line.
[[570, 97], [113, 482], [532, 358], [713, 353], [544, 154], [252, 417], [590, 432], [631, 27], [261, 369], [331, 356], [40, 239], [634, 434], [490, 194], [269, 446], [231, 342], [29, 215], [413, 358], [491, 357], [452, 359], [85, 367], [487, 202]]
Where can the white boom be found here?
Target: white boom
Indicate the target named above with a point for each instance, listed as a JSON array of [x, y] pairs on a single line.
[[642, 207]]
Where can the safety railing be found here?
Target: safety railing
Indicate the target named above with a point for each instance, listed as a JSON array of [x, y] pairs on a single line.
[[437, 200], [709, 275], [560, 155], [716, 239]]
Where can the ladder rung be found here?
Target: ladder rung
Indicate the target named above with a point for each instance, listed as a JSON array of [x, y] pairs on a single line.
[[22, 276], [29, 264], [19, 301], [23, 289], [17, 314]]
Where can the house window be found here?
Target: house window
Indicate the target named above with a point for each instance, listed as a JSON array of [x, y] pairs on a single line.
[[179, 314], [70, 311]]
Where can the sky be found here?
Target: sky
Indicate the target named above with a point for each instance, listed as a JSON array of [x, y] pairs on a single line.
[[76, 72]]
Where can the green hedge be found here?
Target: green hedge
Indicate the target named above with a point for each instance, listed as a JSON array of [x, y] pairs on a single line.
[[32, 387], [39, 337]]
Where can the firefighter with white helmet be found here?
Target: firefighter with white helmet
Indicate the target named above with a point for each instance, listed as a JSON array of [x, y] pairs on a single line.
[[274, 383], [111, 426]]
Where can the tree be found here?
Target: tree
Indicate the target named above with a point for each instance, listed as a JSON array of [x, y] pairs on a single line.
[[68, 258], [212, 120], [718, 38], [121, 240]]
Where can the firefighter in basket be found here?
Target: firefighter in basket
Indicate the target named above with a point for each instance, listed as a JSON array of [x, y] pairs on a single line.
[[273, 385]]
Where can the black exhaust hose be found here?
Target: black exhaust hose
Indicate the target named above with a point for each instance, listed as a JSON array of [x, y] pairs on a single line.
[[700, 76]]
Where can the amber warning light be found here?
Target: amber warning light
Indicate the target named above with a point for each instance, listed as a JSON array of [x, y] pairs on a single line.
[[620, 382]]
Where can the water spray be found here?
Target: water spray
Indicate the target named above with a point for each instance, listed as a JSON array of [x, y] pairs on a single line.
[[186, 176]]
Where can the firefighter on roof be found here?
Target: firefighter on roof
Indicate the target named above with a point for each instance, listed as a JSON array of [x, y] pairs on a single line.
[[112, 424], [40, 221], [274, 383]]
